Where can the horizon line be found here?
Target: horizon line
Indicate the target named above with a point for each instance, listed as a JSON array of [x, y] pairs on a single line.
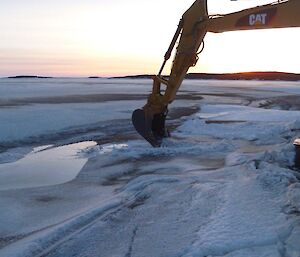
[[143, 74]]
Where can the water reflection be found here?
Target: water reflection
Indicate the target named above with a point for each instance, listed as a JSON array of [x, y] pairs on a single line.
[[44, 166]]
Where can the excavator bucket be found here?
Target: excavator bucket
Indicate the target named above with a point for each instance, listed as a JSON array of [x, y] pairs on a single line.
[[151, 128]]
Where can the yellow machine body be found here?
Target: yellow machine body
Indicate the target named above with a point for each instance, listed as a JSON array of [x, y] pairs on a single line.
[[195, 23]]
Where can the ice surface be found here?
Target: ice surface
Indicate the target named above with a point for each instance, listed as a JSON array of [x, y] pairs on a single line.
[[242, 122], [36, 109], [43, 167], [24, 88], [222, 185]]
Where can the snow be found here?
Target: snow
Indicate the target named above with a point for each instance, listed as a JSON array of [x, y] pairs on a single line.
[[250, 123], [248, 196], [222, 185]]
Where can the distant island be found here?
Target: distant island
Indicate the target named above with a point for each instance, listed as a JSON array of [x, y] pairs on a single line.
[[28, 77], [261, 75]]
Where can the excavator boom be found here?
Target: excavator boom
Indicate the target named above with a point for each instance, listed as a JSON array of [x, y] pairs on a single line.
[[192, 28], [280, 14]]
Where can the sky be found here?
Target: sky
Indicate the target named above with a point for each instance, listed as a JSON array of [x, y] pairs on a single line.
[[115, 37]]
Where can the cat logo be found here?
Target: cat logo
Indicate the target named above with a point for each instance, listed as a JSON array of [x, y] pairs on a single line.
[[258, 19]]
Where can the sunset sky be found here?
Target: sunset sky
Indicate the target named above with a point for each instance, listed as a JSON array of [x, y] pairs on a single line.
[[116, 37]]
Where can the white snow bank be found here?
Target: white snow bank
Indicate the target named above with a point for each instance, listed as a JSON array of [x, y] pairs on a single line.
[[250, 216], [140, 148], [241, 122], [246, 113]]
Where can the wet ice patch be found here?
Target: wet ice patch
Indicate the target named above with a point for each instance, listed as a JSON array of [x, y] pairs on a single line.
[[43, 167]]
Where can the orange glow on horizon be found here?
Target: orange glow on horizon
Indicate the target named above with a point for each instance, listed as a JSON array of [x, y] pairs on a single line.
[[119, 38]]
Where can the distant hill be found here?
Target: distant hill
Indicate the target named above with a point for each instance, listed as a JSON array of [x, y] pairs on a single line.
[[143, 76], [28, 77], [261, 75], [247, 76]]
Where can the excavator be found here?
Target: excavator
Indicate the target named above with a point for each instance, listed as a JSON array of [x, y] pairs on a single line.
[[149, 121]]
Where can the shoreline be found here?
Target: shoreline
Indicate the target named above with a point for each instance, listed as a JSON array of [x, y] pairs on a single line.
[[261, 75], [252, 75]]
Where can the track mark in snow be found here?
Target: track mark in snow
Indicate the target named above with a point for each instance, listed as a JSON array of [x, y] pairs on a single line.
[[128, 254], [44, 241]]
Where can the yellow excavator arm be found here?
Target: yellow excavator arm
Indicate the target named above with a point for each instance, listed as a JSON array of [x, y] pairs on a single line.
[[192, 28]]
